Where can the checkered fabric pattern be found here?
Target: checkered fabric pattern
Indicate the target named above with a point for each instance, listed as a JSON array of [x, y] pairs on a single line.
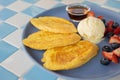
[[14, 15]]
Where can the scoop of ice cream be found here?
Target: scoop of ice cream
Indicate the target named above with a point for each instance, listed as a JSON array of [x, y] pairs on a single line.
[[91, 29]]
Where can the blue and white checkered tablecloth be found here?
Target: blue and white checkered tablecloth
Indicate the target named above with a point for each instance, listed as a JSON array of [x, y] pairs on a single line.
[[14, 15]]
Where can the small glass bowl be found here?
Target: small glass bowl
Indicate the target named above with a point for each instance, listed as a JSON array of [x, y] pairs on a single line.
[[77, 11]]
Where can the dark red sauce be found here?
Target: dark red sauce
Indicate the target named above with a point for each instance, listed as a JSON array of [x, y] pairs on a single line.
[[77, 12]]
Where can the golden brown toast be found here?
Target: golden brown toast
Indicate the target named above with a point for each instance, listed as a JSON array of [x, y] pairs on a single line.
[[45, 40], [54, 24], [69, 57]]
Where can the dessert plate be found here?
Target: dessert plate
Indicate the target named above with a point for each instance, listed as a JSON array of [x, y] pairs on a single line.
[[93, 70]]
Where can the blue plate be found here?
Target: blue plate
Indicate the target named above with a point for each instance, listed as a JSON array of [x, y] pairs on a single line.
[[92, 70]]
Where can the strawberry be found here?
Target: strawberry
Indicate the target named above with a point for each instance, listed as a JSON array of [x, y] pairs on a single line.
[[110, 23], [109, 26], [117, 30], [109, 29], [110, 56], [105, 32], [115, 58], [100, 17], [117, 52], [114, 39], [91, 13], [107, 55], [116, 36]]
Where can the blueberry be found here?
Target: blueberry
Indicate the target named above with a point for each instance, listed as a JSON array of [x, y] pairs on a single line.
[[103, 21], [105, 61], [115, 25], [115, 45], [106, 48], [110, 34]]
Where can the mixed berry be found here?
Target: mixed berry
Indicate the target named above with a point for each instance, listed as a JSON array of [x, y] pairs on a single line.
[[105, 61], [111, 52]]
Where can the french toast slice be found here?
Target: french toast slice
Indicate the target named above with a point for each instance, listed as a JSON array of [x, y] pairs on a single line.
[[53, 24], [42, 40], [69, 57]]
